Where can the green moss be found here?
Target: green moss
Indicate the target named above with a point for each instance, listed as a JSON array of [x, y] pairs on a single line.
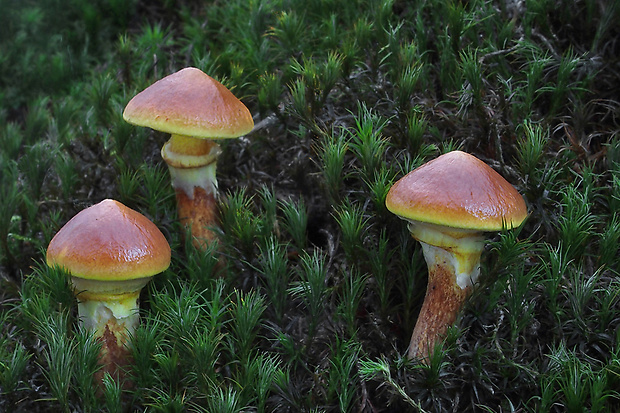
[[309, 305]]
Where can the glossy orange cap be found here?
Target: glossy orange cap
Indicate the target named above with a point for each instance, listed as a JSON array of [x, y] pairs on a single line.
[[109, 242], [191, 103], [460, 191]]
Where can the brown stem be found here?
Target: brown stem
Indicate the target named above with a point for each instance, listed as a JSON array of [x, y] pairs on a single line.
[[200, 213], [443, 301], [113, 319], [192, 163], [115, 356]]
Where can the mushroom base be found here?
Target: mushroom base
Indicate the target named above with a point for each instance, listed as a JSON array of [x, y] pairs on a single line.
[[444, 296], [113, 320], [199, 213], [115, 355]]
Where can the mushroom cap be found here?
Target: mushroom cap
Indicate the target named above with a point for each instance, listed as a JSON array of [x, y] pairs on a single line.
[[460, 191], [191, 103], [109, 242]]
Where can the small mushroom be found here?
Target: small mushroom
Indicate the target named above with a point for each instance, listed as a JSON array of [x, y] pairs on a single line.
[[111, 252], [197, 111], [449, 203]]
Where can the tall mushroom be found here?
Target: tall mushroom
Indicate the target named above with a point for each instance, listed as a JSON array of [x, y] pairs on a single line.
[[111, 253], [449, 203], [197, 111]]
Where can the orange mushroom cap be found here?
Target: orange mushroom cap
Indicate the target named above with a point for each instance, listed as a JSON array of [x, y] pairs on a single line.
[[109, 242], [460, 191], [191, 103]]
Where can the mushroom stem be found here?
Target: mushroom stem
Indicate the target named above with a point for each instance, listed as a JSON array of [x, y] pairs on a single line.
[[453, 260], [117, 313], [112, 314], [113, 331], [192, 164]]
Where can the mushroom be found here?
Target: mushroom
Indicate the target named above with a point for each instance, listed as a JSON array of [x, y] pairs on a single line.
[[111, 252], [196, 110], [449, 203]]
